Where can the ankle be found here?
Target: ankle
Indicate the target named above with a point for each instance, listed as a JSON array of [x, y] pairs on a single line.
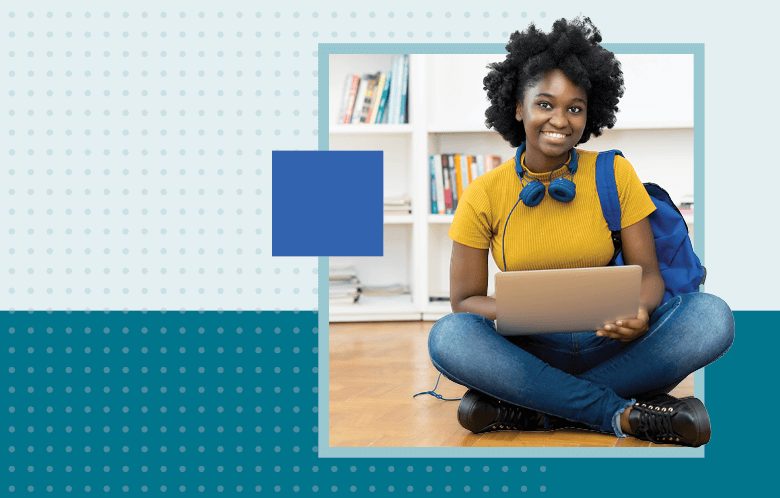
[[624, 425]]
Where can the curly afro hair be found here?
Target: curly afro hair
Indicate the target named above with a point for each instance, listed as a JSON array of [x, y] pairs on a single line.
[[571, 46]]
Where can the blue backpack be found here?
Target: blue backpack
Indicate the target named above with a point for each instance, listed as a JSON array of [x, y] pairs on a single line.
[[680, 267]]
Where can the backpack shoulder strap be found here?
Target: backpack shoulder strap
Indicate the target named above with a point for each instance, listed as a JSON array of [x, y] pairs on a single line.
[[608, 195]]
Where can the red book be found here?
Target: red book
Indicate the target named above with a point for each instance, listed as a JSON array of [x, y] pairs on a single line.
[[447, 185], [352, 95]]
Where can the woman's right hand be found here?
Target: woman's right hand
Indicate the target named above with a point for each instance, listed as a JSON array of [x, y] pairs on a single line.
[[469, 281]]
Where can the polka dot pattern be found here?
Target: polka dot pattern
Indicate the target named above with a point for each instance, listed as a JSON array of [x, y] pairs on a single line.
[[137, 177], [200, 401]]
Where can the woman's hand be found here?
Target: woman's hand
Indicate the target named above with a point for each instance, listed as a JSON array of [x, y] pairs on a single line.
[[639, 249], [627, 330]]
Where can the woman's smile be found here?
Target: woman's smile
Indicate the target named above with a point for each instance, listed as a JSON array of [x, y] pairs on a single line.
[[555, 137]]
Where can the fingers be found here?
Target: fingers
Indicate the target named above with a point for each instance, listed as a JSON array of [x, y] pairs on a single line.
[[624, 333], [614, 332], [632, 323]]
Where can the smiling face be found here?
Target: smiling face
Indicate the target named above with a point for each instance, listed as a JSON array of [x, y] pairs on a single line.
[[553, 113]]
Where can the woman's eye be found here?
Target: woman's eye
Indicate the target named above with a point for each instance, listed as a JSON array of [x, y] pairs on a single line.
[[545, 105], [576, 110]]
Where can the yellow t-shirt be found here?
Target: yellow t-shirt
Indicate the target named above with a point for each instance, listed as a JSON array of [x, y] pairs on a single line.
[[551, 234]]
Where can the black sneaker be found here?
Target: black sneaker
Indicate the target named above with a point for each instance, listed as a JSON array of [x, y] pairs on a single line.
[[664, 419], [479, 412]]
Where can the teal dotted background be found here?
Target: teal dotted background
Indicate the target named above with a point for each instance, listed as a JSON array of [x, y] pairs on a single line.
[[189, 402]]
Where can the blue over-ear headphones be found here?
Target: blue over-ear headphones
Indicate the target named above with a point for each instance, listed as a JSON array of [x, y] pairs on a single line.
[[561, 189]]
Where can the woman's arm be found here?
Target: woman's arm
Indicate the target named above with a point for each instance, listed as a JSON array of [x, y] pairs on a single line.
[[469, 281], [639, 249]]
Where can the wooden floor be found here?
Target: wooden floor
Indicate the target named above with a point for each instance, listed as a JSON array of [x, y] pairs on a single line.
[[375, 368]]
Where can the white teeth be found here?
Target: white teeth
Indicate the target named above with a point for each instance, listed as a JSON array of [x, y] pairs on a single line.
[[554, 135]]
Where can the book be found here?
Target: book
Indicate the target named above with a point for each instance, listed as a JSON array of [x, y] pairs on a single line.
[[439, 179], [349, 105], [345, 99], [472, 166], [434, 198], [386, 290], [404, 90], [403, 200], [392, 96], [342, 273], [360, 96], [372, 80], [377, 97], [344, 300], [447, 185], [453, 180], [397, 96], [481, 165], [381, 114]]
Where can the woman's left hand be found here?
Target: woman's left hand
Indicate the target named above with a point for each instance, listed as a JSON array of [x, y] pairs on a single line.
[[627, 330]]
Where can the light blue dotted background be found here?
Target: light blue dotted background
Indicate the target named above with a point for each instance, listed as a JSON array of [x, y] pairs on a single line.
[[263, 105], [137, 157], [179, 107]]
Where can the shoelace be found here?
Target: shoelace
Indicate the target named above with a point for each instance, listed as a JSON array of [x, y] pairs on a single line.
[[511, 416], [433, 392], [654, 423], [516, 417]]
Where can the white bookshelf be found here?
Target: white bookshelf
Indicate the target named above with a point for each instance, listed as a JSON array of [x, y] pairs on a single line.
[[446, 115]]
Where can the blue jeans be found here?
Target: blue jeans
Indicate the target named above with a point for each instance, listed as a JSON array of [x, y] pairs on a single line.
[[582, 377]]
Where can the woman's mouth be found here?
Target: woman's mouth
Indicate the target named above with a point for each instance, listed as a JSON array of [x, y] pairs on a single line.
[[553, 135]]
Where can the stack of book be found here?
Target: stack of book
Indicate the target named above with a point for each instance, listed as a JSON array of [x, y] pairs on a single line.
[[343, 286], [397, 205], [377, 98], [451, 174]]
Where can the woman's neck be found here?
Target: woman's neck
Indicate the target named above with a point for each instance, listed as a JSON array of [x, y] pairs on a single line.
[[539, 163]]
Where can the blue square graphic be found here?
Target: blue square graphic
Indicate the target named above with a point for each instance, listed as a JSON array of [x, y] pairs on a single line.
[[327, 203]]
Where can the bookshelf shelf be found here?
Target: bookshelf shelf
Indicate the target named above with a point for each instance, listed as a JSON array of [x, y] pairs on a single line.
[[440, 219], [371, 308], [371, 129], [398, 219], [449, 119]]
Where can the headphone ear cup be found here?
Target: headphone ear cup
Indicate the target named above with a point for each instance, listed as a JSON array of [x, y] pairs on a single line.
[[533, 193], [563, 189]]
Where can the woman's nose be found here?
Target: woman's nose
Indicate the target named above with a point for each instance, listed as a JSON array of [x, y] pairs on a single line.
[[558, 118]]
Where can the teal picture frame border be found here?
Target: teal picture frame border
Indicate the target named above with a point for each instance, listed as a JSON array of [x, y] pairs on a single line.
[[325, 451]]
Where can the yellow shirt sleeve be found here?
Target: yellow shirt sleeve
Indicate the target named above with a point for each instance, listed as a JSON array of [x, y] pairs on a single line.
[[472, 223]]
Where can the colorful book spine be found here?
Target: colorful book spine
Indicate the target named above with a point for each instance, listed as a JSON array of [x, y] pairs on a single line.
[[353, 88], [404, 90], [359, 99], [481, 165], [368, 101], [344, 99], [458, 175], [464, 166], [446, 185], [394, 93], [453, 180], [432, 168], [381, 112], [439, 183]]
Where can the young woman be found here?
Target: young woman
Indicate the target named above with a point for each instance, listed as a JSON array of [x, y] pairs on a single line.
[[553, 92]]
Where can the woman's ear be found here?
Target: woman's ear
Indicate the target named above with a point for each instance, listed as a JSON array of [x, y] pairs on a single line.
[[518, 112]]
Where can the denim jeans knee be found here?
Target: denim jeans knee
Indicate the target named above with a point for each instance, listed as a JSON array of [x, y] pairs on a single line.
[[705, 322], [450, 334]]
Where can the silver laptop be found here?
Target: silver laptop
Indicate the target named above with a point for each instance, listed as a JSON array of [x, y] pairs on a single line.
[[573, 300]]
